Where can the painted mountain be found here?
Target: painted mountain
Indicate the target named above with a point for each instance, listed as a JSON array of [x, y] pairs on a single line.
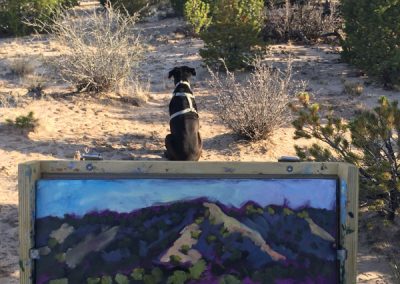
[[201, 240]]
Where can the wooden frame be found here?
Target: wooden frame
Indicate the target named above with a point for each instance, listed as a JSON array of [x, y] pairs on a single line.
[[31, 172]]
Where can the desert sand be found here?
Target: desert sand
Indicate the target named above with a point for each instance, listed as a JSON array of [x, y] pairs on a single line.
[[118, 130]]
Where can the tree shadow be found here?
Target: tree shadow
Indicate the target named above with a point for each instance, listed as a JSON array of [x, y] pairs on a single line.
[[224, 143], [117, 147]]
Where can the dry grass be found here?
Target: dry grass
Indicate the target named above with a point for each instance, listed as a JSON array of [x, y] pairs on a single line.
[[11, 100], [353, 88], [135, 92], [21, 66], [304, 23], [254, 110], [395, 265], [99, 49]]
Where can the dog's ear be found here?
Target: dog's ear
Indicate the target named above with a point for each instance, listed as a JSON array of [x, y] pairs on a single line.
[[171, 73], [193, 71]]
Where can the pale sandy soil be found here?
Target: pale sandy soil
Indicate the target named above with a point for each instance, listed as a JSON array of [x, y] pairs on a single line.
[[118, 130]]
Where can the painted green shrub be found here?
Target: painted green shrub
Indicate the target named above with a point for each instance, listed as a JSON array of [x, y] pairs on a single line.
[[179, 277], [197, 269], [106, 279], [14, 14], [373, 37], [138, 273], [185, 249], [232, 33], [175, 259], [121, 279]]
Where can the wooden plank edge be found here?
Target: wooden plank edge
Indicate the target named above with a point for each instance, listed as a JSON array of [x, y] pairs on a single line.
[[28, 174]]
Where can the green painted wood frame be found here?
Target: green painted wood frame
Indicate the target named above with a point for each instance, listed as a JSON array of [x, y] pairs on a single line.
[[347, 175]]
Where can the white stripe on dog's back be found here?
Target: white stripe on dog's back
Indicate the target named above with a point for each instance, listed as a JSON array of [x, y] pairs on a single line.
[[189, 98]]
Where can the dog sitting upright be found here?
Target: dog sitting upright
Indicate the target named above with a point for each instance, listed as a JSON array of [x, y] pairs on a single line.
[[184, 143]]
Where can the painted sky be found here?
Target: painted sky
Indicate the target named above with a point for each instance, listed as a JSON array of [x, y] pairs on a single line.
[[58, 197]]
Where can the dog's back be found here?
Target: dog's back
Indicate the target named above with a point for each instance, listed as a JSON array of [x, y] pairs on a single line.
[[184, 142]]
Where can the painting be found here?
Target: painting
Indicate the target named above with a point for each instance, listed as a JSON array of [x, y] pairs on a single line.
[[181, 230]]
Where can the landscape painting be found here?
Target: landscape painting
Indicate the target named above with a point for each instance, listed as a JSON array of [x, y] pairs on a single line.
[[275, 231]]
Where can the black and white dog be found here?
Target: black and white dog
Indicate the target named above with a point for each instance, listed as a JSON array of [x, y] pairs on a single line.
[[184, 142]]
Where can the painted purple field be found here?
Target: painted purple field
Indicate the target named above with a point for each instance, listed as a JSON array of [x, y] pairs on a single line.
[[193, 241]]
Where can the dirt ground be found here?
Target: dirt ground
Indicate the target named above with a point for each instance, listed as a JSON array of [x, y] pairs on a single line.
[[119, 130]]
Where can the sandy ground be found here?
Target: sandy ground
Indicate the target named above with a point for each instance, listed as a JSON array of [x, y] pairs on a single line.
[[119, 130]]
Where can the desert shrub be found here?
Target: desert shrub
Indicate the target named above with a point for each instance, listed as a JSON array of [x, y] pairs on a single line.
[[21, 66], [233, 32], [99, 49], [353, 88], [15, 13], [178, 6], [24, 122], [305, 22], [370, 141], [373, 37], [395, 265], [197, 13], [12, 99], [254, 110], [130, 6]]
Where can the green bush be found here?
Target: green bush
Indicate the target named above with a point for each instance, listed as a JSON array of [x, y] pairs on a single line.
[[197, 13], [232, 33], [370, 141], [24, 122], [14, 13], [373, 37]]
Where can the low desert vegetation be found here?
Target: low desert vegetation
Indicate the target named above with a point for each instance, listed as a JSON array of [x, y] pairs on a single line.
[[370, 141], [21, 66], [100, 50], [14, 14], [178, 6], [11, 100], [131, 7], [254, 110], [197, 13], [373, 38], [25, 123], [395, 265], [353, 88], [301, 21], [233, 32], [135, 92]]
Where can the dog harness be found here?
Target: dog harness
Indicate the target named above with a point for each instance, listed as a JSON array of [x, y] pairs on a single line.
[[189, 98]]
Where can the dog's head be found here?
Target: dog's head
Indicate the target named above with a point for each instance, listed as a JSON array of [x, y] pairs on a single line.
[[182, 73]]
